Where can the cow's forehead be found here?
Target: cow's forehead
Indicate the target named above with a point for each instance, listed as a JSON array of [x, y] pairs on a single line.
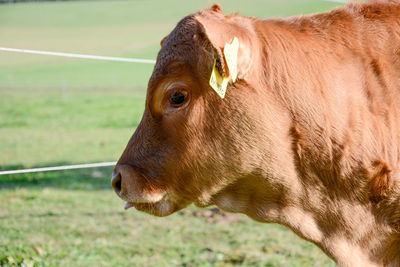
[[183, 45]]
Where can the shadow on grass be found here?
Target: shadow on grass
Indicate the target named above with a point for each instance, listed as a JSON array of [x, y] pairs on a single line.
[[79, 179]]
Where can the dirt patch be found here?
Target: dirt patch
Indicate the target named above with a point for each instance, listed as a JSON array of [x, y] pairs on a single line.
[[214, 215]]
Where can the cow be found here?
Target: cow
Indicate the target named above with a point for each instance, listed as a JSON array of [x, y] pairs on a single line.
[[293, 121]]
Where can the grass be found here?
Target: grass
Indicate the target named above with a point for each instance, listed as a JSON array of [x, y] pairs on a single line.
[[57, 111], [44, 126], [71, 218]]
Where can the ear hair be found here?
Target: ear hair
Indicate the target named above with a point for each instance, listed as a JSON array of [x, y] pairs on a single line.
[[218, 52]]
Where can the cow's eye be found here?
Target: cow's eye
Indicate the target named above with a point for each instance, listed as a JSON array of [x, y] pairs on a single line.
[[177, 97]]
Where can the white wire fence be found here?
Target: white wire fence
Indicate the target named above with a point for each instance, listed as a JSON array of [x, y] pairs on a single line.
[[71, 55], [59, 168], [61, 54]]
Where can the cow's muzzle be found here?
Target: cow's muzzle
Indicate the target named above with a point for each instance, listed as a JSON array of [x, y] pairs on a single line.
[[132, 185], [140, 191]]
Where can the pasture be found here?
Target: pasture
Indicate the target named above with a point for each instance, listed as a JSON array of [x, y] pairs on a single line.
[[57, 111]]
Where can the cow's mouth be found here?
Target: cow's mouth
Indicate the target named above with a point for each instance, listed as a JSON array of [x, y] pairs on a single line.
[[132, 204], [161, 208]]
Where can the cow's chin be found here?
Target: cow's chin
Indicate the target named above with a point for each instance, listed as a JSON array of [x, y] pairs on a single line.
[[160, 208]]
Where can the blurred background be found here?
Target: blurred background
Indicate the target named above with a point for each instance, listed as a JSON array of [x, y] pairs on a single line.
[[56, 111]]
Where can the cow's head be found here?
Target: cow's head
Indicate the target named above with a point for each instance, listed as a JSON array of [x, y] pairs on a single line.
[[191, 144]]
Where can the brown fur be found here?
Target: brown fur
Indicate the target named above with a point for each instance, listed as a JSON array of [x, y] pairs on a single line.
[[308, 136]]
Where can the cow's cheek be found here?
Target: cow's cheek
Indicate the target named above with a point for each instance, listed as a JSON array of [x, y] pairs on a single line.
[[185, 138]]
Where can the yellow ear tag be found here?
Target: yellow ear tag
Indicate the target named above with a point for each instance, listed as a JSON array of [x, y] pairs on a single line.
[[217, 82], [231, 56]]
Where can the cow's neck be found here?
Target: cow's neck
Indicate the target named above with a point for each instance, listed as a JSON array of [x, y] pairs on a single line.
[[316, 183], [323, 193], [347, 231]]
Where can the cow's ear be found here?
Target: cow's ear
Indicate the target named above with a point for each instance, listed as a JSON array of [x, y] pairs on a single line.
[[216, 8], [219, 30]]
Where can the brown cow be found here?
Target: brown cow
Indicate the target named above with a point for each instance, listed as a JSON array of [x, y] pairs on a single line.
[[308, 136]]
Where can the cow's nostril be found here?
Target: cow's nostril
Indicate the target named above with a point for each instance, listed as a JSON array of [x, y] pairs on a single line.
[[116, 182]]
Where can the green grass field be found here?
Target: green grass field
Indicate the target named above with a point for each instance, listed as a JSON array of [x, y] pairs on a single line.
[[64, 111]]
